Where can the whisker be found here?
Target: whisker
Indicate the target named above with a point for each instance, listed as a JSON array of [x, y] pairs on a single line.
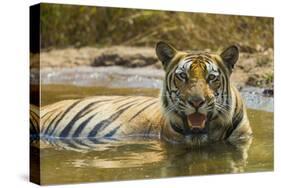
[[170, 108], [227, 107]]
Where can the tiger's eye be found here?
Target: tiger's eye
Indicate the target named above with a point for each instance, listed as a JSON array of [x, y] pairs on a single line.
[[211, 77], [182, 76]]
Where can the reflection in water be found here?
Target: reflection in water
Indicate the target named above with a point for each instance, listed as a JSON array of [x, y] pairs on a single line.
[[215, 158], [155, 158]]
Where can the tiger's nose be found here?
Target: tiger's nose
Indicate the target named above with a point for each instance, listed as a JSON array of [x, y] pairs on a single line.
[[196, 101]]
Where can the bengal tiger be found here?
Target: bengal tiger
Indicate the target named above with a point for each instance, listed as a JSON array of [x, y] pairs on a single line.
[[197, 105]]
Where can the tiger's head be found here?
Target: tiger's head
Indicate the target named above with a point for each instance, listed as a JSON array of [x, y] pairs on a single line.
[[196, 88]]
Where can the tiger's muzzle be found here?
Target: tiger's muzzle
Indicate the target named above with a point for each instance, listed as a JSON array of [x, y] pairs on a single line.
[[196, 120]]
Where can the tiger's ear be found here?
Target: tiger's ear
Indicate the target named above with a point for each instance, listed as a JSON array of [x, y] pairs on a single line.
[[230, 56], [165, 52]]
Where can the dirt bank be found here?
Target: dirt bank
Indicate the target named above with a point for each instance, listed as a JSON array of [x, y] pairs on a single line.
[[255, 69]]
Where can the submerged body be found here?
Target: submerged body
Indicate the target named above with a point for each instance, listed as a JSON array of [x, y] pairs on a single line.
[[197, 105]]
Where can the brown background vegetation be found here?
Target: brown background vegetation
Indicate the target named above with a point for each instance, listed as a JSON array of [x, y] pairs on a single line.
[[76, 26]]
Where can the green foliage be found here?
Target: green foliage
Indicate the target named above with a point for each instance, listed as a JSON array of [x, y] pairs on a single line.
[[67, 25]]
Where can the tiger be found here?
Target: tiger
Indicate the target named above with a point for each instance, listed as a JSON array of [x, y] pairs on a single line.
[[197, 105]]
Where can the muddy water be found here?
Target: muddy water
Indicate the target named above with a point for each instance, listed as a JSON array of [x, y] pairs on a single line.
[[61, 162]]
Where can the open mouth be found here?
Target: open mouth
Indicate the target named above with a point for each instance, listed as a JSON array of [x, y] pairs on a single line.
[[196, 121]]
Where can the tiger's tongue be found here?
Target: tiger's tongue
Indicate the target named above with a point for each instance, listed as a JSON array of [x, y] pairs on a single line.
[[196, 120]]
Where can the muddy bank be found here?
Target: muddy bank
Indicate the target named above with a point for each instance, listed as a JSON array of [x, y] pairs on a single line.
[[254, 69]]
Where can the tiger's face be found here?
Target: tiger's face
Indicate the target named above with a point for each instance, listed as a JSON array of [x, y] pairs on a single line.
[[196, 86]]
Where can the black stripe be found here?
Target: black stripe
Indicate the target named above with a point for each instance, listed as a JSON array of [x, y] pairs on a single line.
[[207, 57], [134, 101], [82, 126], [227, 90], [96, 141], [170, 96], [46, 119], [167, 89], [168, 83], [90, 110], [34, 122], [104, 123], [64, 114], [97, 127], [170, 74], [33, 114], [237, 118], [168, 80], [235, 122], [36, 118], [79, 144], [50, 112], [144, 108], [50, 124], [33, 130], [189, 58], [174, 81], [80, 141], [69, 144], [147, 133], [177, 129], [112, 132], [68, 127], [223, 87]]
